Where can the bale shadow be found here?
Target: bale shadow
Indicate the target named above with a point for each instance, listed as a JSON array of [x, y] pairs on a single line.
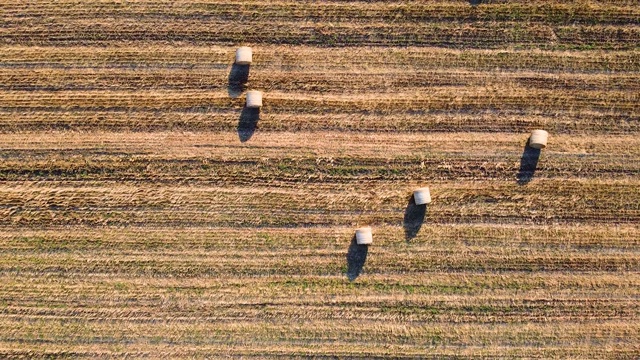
[[356, 257], [528, 164], [238, 77], [413, 218], [248, 123], [475, 2]]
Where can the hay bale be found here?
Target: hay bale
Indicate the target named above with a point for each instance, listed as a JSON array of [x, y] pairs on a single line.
[[422, 196], [254, 99], [538, 139], [364, 236], [244, 55]]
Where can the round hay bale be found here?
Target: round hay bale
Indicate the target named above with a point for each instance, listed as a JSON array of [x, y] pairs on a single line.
[[364, 236], [538, 139], [422, 196], [244, 56], [254, 99]]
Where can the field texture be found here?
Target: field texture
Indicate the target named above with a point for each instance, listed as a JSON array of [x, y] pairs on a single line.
[[145, 213]]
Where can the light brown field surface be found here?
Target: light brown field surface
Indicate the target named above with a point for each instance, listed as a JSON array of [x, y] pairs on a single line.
[[144, 213]]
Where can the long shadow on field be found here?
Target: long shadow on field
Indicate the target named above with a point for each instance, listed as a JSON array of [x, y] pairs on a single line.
[[238, 77], [528, 164], [356, 257], [248, 123], [413, 218], [475, 2]]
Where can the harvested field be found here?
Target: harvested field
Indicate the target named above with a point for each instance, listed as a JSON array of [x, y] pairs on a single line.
[[142, 214]]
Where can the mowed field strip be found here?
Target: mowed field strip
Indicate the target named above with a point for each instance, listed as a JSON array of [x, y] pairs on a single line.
[[139, 218]]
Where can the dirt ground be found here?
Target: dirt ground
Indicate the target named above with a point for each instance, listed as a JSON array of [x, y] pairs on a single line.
[[144, 212]]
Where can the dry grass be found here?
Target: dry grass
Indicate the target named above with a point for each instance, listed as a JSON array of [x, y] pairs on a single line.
[[134, 222]]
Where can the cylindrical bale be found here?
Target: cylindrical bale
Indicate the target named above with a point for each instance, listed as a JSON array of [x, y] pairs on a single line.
[[538, 139], [244, 56], [254, 99], [422, 196], [364, 236]]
